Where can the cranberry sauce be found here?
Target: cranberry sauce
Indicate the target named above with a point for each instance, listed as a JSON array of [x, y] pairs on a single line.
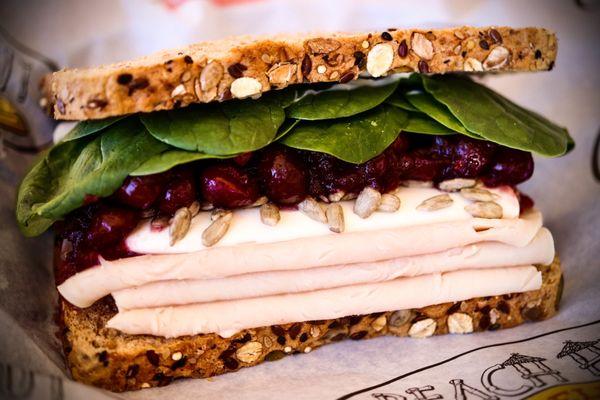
[[228, 185], [179, 190], [285, 176], [91, 231]]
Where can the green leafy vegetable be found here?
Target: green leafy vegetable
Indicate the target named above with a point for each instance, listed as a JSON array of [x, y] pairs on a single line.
[[35, 187], [340, 101], [421, 123], [497, 119], [437, 111], [356, 139], [59, 182], [222, 129], [86, 128], [173, 157], [287, 126], [165, 161], [397, 99], [283, 97], [351, 122]]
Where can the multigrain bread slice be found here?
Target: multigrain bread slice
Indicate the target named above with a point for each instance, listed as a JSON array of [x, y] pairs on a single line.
[[248, 65], [115, 361]]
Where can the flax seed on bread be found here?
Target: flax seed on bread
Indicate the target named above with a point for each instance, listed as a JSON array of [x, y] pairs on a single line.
[[116, 361], [247, 66]]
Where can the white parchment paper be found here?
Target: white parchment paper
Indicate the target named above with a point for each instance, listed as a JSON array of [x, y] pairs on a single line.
[[80, 33]]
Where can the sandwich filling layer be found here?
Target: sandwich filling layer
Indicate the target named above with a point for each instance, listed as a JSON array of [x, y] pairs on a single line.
[[304, 253], [334, 197], [255, 247], [298, 270], [229, 317], [247, 285]]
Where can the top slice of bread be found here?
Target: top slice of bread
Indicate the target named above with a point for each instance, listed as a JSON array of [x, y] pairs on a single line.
[[248, 65]]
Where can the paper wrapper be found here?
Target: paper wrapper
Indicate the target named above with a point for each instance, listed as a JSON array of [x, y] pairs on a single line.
[[551, 356]]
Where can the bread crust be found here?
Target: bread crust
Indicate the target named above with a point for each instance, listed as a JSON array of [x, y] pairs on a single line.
[[205, 71], [112, 360]]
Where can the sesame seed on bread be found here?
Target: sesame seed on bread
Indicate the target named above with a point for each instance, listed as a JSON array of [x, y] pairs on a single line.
[[246, 66]]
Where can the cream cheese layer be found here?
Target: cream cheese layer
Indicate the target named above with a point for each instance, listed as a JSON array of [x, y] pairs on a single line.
[[229, 317], [247, 228], [481, 255], [84, 288]]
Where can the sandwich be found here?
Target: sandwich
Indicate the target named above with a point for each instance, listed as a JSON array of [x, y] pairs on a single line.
[[242, 200]]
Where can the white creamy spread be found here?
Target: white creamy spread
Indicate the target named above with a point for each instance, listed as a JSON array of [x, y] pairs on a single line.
[[228, 317], [189, 291], [246, 226], [84, 288]]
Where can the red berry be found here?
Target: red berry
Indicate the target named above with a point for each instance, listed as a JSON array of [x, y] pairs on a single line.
[[383, 172], [348, 180], [374, 172], [141, 191], [472, 157], [401, 144], [91, 231], [63, 270], [85, 258], [422, 166], [392, 175], [243, 159], [282, 174], [328, 175], [180, 191], [75, 225], [509, 167], [76, 260], [109, 225], [228, 186], [444, 146], [89, 199]]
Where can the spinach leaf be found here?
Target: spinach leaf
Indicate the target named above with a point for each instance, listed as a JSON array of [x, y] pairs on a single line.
[[437, 111], [411, 82], [227, 128], [355, 139], [169, 159], [397, 99], [421, 123], [173, 157], [71, 170], [496, 118], [344, 100], [37, 185], [287, 126], [284, 97], [86, 128]]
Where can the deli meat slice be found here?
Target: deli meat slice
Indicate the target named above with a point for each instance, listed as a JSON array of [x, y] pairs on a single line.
[[480, 255], [228, 317], [84, 288]]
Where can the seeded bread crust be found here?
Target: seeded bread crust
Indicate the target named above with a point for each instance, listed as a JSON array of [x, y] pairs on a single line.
[[209, 71], [118, 362]]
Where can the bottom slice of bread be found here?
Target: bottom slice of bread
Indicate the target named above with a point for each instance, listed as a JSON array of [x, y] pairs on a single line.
[[115, 361]]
